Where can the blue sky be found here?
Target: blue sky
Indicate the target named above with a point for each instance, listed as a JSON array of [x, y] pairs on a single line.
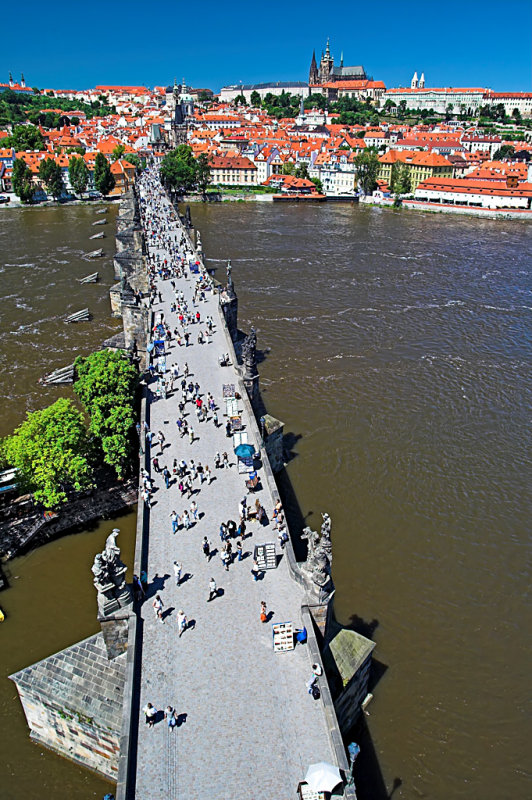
[[211, 44]]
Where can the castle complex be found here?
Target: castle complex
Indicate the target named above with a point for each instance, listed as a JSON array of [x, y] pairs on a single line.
[[328, 73]]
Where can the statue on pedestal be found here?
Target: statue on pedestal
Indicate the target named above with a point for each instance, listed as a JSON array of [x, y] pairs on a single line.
[[249, 354], [110, 578], [319, 556]]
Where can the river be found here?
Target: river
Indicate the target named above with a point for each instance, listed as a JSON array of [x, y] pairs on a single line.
[[397, 353]]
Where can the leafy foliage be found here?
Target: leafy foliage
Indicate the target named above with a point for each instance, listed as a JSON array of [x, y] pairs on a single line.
[[21, 180], [104, 180], [367, 168], [106, 385], [178, 170], [78, 174], [25, 137], [118, 152], [505, 151], [14, 107], [51, 175], [203, 173], [49, 450]]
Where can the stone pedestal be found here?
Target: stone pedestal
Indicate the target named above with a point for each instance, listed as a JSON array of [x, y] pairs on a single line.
[[273, 441]]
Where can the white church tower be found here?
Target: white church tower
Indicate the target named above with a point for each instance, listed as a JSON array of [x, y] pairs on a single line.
[[414, 82], [421, 84]]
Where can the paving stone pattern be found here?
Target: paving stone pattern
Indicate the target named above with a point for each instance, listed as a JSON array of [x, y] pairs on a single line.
[[249, 729]]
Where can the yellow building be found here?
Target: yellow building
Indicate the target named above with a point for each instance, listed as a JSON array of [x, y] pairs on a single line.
[[420, 165]]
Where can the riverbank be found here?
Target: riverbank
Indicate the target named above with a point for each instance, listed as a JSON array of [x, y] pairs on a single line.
[[446, 208]]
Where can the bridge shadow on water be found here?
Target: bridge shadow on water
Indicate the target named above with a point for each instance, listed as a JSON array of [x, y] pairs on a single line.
[[369, 780]]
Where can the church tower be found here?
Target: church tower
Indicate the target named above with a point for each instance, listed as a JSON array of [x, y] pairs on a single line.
[[313, 76], [326, 65], [421, 84], [414, 82]]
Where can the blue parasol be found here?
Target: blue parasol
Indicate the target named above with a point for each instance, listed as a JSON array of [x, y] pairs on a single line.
[[244, 450]]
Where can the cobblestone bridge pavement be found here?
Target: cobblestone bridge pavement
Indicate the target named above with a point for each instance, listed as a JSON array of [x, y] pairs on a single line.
[[248, 728]]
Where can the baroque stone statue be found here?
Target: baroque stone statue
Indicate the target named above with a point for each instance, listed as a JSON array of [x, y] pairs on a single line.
[[110, 578], [249, 352], [319, 556]]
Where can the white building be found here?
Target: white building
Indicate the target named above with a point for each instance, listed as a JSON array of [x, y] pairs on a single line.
[[475, 193], [228, 93]]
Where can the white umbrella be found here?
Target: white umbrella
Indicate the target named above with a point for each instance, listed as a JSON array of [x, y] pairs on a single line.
[[323, 777]]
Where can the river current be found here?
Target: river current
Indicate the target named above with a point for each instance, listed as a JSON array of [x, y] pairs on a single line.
[[396, 350]]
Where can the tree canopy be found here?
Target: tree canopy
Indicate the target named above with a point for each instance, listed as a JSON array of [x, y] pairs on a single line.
[[178, 170], [50, 451], [367, 168], [104, 180], [21, 180], [51, 175], [78, 174], [106, 384], [25, 137]]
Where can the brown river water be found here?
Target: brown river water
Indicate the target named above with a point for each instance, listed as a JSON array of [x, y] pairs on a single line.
[[398, 355]]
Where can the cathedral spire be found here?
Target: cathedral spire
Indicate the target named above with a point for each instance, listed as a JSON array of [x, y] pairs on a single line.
[[313, 76]]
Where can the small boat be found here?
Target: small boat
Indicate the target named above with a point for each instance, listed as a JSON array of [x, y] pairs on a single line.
[[102, 210], [92, 278], [100, 222], [100, 235], [95, 253]]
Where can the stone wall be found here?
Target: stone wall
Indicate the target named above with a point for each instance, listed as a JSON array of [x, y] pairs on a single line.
[[73, 704]]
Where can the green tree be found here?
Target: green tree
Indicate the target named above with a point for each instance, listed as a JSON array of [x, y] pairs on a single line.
[[50, 451], [400, 182], [240, 100], [367, 168], [22, 181], [78, 174], [318, 184], [51, 175], [288, 168], [133, 158], [25, 137], [203, 174], [516, 115], [505, 151], [74, 120], [302, 172], [118, 152], [178, 170], [254, 99], [106, 384], [104, 180]]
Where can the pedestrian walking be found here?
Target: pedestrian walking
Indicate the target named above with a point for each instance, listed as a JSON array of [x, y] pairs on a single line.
[[228, 429], [225, 458], [177, 572], [161, 439], [146, 498], [215, 419], [155, 463], [194, 509], [150, 712], [182, 622], [138, 591], [158, 606], [207, 472], [166, 476], [175, 521], [223, 532], [263, 611], [217, 461], [213, 591], [185, 519], [239, 550], [226, 559], [191, 434], [144, 580], [206, 547], [241, 530], [255, 570], [170, 716]]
